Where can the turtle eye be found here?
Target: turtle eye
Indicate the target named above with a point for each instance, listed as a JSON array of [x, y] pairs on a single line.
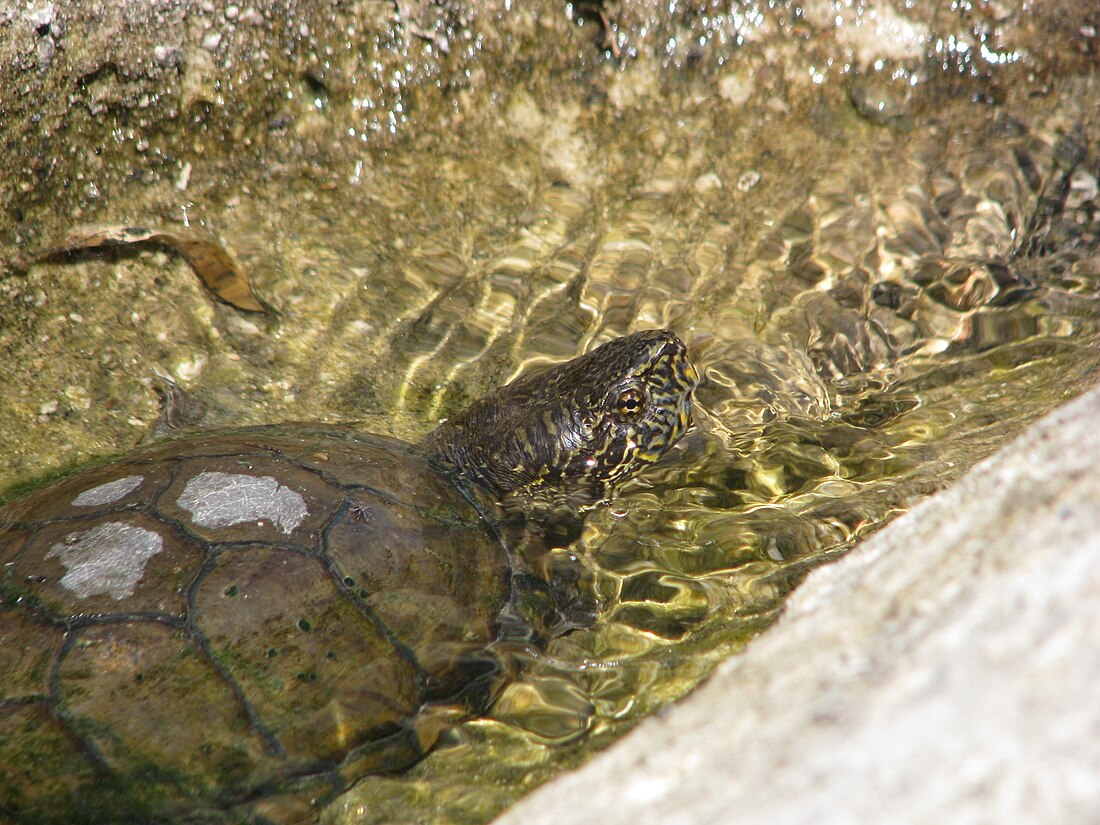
[[630, 402]]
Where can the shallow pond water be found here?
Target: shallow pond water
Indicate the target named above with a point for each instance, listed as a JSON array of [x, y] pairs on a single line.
[[881, 278]]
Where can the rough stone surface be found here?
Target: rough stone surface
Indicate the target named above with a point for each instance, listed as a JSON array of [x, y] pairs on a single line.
[[946, 671]]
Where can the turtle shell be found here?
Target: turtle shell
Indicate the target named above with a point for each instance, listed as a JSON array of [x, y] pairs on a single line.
[[219, 620]]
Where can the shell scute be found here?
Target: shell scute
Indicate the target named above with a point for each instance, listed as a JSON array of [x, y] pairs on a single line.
[[27, 651], [42, 762], [12, 541], [249, 498], [417, 574], [128, 484], [128, 562], [447, 638], [316, 669], [393, 468], [117, 676]]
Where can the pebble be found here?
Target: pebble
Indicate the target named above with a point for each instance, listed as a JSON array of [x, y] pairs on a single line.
[[748, 180], [167, 56], [42, 16], [878, 102], [708, 182]]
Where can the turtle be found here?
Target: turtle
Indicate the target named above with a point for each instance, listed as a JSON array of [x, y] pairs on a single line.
[[233, 625]]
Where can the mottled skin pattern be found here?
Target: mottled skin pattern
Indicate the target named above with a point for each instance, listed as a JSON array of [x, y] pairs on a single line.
[[238, 625], [572, 432]]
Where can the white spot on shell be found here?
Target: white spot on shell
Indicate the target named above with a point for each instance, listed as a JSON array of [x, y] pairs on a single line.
[[111, 491], [222, 499], [110, 558]]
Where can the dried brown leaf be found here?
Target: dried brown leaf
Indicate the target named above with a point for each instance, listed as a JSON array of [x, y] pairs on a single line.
[[210, 260]]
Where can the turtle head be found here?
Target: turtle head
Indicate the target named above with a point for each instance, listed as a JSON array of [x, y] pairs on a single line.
[[572, 432]]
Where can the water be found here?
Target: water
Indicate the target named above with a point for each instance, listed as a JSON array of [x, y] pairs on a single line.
[[882, 275]]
